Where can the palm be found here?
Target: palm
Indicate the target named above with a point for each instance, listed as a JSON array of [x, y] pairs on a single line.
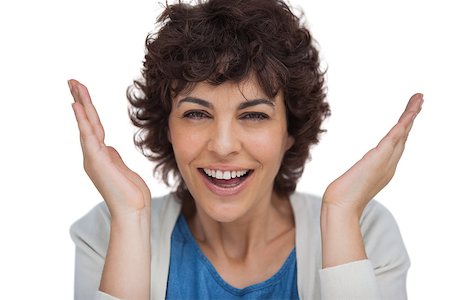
[[123, 190], [354, 189]]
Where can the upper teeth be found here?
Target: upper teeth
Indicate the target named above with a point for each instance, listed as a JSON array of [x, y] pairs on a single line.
[[219, 174]]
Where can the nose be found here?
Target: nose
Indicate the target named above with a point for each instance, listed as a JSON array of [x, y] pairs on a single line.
[[224, 139]]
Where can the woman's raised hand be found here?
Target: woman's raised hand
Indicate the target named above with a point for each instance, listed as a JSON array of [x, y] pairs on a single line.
[[345, 198], [123, 190], [126, 272], [356, 187]]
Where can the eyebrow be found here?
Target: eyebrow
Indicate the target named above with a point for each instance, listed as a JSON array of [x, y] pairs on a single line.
[[243, 105], [255, 102], [196, 101]]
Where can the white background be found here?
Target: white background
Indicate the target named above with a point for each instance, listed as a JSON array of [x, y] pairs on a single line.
[[378, 54]]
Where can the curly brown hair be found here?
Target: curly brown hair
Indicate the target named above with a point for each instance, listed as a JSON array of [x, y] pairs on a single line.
[[228, 40]]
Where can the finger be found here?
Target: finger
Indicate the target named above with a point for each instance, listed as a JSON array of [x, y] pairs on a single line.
[[118, 162], [132, 176], [393, 144], [117, 159], [88, 138], [81, 95], [400, 131], [414, 106], [406, 120]]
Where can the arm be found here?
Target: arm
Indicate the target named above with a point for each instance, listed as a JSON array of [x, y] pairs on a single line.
[[383, 274], [126, 272], [346, 198]]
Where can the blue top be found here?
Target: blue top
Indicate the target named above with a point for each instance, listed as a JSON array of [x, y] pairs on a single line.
[[192, 276]]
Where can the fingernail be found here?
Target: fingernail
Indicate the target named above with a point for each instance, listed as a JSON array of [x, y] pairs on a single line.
[[75, 89], [70, 86]]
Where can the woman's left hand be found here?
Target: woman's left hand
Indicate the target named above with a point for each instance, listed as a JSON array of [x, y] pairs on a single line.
[[346, 197], [355, 188]]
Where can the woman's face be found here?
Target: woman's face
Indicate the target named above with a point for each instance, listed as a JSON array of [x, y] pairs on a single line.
[[229, 141]]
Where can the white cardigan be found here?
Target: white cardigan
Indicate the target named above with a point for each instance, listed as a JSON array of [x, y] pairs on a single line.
[[381, 276]]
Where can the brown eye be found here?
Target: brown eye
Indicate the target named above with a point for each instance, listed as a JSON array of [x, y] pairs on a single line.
[[195, 115], [255, 116]]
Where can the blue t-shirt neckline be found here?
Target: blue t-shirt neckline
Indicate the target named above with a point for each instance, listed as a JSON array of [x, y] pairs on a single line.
[[184, 227]]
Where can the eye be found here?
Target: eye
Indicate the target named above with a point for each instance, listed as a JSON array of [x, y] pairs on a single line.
[[255, 116], [195, 115]]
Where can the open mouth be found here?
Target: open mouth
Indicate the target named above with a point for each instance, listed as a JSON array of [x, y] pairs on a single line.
[[225, 179]]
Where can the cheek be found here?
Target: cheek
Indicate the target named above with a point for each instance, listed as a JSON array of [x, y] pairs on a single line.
[[268, 146], [186, 144]]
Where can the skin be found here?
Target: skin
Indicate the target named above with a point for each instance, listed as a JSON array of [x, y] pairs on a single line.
[[231, 233], [244, 233], [128, 198], [346, 197]]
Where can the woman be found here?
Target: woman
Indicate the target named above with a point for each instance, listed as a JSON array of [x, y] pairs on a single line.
[[231, 100]]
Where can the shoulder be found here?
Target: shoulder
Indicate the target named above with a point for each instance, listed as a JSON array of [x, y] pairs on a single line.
[[382, 239], [381, 234], [305, 200], [163, 208], [376, 222], [386, 252], [306, 207], [92, 230]]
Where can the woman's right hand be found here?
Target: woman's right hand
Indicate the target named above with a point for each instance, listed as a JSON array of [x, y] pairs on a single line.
[[124, 191], [126, 272]]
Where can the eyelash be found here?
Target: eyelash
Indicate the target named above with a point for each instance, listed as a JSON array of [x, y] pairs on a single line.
[[195, 115], [251, 116], [255, 116]]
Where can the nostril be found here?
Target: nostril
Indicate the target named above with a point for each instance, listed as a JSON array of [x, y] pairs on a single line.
[[224, 143]]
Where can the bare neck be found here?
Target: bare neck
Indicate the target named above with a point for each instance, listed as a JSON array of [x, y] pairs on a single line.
[[248, 234]]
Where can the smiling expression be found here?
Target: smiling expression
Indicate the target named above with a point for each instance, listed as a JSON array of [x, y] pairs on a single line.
[[229, 141]]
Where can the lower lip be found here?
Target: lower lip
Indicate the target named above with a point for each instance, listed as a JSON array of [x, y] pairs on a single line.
[[226, 191]]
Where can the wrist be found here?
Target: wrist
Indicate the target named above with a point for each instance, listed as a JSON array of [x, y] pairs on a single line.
[[126, 272], [347, 210], [337, 219], [131, 220], [131, 231], [342, 241]]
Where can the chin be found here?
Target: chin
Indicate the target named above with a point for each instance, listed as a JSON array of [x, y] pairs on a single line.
[[224, 213]]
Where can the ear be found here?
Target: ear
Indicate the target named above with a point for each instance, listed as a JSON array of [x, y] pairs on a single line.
[[289, 143], [169, 135]]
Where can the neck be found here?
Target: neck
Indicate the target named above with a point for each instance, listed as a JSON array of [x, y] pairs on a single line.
[[245, 235]]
